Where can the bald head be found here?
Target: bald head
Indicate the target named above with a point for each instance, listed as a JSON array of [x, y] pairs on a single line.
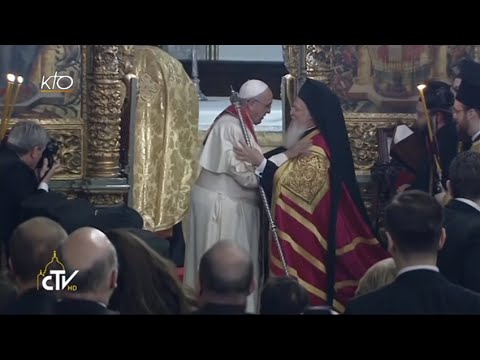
[[32, 245], [227, 269], [86, 246], [89, 251]]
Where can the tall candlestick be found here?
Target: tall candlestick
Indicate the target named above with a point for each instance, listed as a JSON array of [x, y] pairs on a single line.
[[196, 80], [194, 62], [429, 126], [14, 101], [425, 109], [8, 96]]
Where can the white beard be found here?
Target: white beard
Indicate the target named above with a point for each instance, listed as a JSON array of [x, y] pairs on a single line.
[[294, 133]]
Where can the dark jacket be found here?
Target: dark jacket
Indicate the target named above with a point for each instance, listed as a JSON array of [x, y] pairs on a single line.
[[81, 307], [459, 260], [17, 182], [32, 302], [417, 292]]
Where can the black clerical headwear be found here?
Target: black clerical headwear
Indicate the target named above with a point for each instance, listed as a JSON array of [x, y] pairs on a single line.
[[470, 70], [438, 96], [469, 94]]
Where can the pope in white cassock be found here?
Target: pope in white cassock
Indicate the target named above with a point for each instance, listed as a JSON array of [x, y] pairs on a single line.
[[225, 198]]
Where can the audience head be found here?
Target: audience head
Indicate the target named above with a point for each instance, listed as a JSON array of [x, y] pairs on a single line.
[[31, 248], [380, 274], [257, 98], [28, 139], [226, 274], [464, 175], [414, 224], [147, 282], [89, 251], [283, 295]]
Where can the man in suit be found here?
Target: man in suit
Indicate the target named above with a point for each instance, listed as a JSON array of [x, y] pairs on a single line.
[[32, 245], [226, 279], [18, 176], [89, 251], [459, 260], [419, 287]]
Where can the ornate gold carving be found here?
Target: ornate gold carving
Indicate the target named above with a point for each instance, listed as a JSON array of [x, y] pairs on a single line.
[[319, 61], [290, 58], [362, 129], [363, 143], [106, 199], [70, 152], [126, 59], [105, 106]]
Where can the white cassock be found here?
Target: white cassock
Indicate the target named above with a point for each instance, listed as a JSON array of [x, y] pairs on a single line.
[[225, 202]]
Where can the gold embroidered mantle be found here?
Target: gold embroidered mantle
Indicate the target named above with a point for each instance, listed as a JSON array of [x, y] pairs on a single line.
[[165, 139]]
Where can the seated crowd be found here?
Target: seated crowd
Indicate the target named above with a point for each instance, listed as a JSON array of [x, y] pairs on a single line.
[[113, 266]]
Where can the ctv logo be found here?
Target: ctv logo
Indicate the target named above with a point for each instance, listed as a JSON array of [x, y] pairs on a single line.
[[57, 83], [54, 277]]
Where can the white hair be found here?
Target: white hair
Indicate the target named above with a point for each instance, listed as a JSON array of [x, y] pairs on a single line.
[[26, 135]]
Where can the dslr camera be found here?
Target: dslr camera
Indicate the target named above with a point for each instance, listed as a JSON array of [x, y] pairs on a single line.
[[49, 153]]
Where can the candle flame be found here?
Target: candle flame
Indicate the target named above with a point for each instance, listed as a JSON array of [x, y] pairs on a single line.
[[20, 79], [421, 87], [11, 77]]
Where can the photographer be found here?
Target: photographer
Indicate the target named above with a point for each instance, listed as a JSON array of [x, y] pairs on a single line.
[[19, 175]]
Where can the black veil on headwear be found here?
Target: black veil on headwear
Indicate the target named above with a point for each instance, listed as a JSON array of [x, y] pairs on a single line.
[[438, 96], [325, 108]]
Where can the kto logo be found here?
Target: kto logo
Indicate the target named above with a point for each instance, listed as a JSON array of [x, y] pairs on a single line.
[[57, 83], [54, 276]]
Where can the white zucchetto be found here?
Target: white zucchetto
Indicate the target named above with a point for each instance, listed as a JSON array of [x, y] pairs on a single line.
[[252, 88]]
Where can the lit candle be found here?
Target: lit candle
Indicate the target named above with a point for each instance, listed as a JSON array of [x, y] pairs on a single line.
[[420, 88], [14, 101], [8, 96], [194, 62]]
